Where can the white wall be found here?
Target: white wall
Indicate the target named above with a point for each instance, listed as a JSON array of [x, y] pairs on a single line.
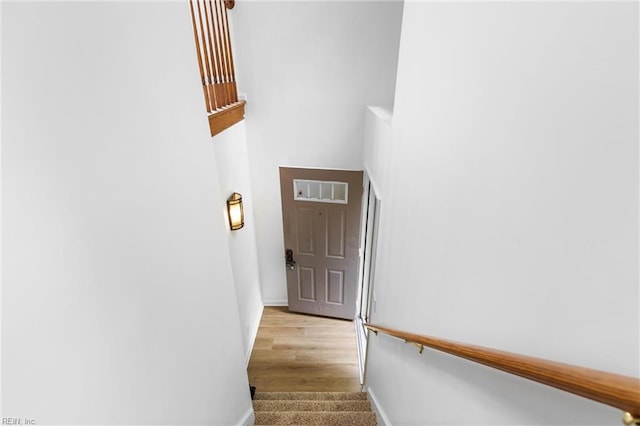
[[232, 162], [378, 147], [308, 69], [118, 304], [512, 215]]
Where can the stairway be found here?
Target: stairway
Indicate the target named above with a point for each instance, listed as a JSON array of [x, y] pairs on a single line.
[[313, 408]]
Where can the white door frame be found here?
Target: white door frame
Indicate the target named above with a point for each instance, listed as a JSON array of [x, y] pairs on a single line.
[[370, 219]]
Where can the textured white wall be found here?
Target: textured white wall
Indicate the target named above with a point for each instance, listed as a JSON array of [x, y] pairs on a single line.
[[233, 171], [308, 68], [118, 304], [512, 215]]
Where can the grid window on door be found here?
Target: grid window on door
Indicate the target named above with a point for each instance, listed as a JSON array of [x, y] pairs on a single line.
[[320, 191]]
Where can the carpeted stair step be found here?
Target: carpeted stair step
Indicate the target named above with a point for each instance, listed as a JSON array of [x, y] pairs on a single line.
[[313, 408], [309, 396], [323, 418], [305, 405]]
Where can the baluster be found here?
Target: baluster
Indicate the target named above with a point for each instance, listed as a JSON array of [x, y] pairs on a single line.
[[221, 51], [206, 59], [212, 54], [199, 56], [232, 72]]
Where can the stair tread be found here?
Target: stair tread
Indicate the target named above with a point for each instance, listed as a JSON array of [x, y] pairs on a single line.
[[324, 396], [354, 418], [311, 405]]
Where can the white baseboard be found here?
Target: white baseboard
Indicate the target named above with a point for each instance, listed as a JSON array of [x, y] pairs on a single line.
[[275, 302], [248, 419], [254, 334], [382, 416]]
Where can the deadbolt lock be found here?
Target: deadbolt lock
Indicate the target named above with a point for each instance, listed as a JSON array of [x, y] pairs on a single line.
[[288, 255]]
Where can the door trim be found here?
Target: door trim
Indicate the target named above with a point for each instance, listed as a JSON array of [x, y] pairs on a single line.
[[371, 207]]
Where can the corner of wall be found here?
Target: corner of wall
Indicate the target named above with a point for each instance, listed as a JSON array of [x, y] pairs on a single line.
[[383, 113], [253, 333], [377, 148], [377, 408], [248, 419]]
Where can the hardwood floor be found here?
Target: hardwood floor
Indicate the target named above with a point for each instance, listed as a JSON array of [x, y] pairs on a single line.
[[296, 352]]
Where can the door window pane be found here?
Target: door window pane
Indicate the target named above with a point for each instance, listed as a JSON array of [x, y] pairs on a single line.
[[320, 191]]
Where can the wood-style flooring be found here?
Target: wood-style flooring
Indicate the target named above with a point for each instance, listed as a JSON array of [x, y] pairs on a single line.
[[296, 352]]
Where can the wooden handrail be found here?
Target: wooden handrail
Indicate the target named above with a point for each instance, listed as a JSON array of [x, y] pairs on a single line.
[[615, 390]]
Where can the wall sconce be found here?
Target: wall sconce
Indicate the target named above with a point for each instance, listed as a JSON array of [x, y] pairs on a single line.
[[236, 212]]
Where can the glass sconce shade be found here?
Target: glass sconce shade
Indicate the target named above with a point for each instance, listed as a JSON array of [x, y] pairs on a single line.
[[236, 212]]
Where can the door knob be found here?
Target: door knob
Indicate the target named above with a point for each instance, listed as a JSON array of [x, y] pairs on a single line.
[[288, 255]]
